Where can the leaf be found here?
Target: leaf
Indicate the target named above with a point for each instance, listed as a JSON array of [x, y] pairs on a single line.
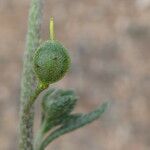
[[74, 123], [60, 105], [59, 121], [52, 93], [57, 105]]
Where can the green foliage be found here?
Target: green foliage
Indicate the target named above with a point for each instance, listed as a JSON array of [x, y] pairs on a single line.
[[57, 105], [51, 62], [73, 122]]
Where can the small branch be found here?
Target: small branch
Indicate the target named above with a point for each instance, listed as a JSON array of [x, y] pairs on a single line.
[[39, 136], [28, 77], [33, 97]]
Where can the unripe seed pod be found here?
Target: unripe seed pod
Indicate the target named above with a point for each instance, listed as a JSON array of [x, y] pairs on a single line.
[[51, 62]]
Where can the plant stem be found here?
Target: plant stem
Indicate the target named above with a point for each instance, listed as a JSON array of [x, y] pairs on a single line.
[[39, 137], [28, 78]]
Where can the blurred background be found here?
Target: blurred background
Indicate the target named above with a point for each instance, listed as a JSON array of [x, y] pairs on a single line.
[[109, 42]]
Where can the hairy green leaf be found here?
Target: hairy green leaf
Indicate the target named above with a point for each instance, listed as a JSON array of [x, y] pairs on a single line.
[[59, 103], [74, 123]]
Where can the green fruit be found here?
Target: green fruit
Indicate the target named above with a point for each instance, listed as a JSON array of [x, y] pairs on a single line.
[[51, 62]]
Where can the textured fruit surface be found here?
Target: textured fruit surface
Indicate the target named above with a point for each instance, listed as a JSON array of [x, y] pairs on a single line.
[[51, 62]]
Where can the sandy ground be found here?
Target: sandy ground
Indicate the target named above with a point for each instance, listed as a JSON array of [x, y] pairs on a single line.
[[109, 42]]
